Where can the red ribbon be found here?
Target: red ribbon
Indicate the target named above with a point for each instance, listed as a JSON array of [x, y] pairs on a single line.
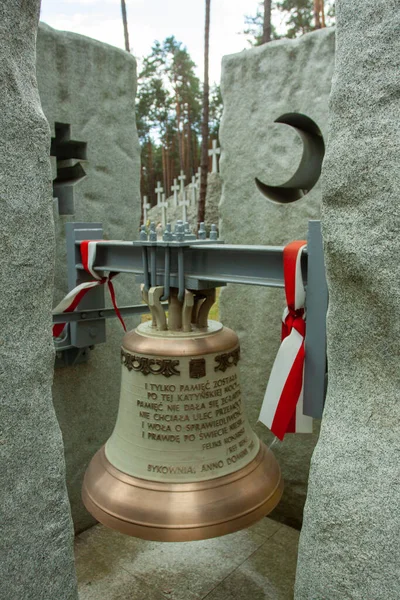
[[285, 416], [81, 291]]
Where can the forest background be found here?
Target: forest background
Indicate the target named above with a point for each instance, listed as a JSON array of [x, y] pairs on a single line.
[[170, 95]]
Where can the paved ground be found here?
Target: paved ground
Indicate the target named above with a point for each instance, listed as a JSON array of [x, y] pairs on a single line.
[[254, 564]]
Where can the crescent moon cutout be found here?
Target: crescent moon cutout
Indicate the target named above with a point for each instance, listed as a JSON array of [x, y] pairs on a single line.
[[309, 169]]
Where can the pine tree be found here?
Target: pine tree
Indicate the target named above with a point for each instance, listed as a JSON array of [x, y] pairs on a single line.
[[257, 25], [205, 126], [168, 112], [125, 24], [215, 111], [300, 16], [266, 36]]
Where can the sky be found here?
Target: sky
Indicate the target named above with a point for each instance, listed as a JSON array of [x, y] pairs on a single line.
[[150, 20]]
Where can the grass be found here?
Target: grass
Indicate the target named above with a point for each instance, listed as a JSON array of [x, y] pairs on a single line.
[[214, 312]]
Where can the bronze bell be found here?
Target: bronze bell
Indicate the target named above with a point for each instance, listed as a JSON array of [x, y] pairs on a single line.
[[182, 462]]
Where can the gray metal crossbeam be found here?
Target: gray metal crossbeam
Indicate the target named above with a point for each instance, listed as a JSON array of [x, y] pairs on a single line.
[[217, 264], [105, 313]]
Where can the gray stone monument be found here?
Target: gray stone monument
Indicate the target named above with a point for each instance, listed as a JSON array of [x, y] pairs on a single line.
[[258, 86], [36, 528], [349, 545], [91, 87]]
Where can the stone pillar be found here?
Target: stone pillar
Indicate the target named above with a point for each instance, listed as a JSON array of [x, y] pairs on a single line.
[[90, 87], [258, 86], [349, 545], [35, 525]]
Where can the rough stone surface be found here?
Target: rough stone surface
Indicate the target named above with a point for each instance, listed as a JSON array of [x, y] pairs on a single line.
[[36, 529], [214, 186], [258, 86], [92, 86], [349, 545]]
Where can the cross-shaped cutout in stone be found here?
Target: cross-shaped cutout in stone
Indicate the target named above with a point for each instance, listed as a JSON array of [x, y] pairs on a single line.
[[175, 190], [214, 153], [69, 171], [159, 190]]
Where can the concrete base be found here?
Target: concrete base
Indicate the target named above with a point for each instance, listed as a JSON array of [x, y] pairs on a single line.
[[257, 563]]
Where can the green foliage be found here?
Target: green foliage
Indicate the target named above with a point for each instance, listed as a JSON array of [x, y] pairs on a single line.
[[330, 12], [153, 107], [297, 15], [168, 91], [168, 113], [215, 111], [255, 26]]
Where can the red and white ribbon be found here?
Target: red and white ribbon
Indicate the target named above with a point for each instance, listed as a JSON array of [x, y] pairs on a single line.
[[70, 302], [282, 408]]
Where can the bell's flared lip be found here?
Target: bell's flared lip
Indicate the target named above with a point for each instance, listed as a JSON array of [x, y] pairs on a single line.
[[182, 511]]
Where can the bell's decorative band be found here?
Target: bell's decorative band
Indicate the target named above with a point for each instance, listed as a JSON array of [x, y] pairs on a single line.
[[155, 366], [227, 360]]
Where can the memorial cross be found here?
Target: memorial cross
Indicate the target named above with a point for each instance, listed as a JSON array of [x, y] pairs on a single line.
[[214, 152], [182, 178], [175, 190], [184, 203], [164, 206], [198, 176], [146, 207], [193, 188], [159, 190]]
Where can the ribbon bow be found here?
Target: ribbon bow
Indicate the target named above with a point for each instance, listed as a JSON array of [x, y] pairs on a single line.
[[282, 408], [70, 302]]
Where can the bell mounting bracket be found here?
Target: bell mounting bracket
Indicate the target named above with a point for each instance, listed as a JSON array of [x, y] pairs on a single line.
[[193, 265]]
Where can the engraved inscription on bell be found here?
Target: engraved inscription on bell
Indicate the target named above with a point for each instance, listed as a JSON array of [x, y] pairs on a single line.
[[182, 462], [187, 428], [197, 368]]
